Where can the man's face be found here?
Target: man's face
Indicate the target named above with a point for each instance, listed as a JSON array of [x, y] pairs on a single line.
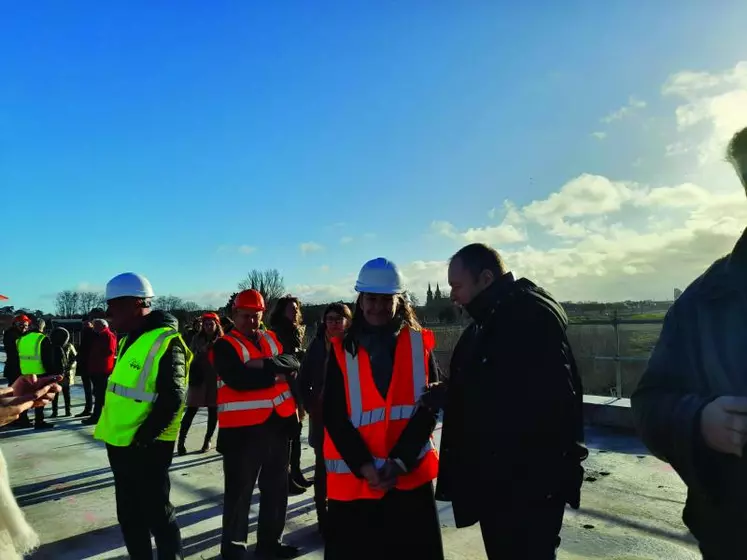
[[247, 320], [378, 309], [22, 326], [122, 312], [464, 287]]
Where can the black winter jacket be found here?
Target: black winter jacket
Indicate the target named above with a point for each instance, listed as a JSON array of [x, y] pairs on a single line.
[[513, 424]]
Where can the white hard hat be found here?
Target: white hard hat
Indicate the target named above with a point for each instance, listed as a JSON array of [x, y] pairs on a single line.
[[379, 276], [129, 284]]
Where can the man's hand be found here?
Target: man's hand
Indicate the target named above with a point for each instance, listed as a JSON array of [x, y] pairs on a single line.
[[388, 475], [27, 392], [371, 475], [434, 396], [301, 414], [723, 425]]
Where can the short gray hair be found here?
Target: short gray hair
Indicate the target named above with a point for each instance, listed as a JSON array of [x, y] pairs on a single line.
[[41, 324]]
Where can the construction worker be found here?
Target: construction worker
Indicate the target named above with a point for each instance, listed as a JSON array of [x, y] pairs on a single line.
[[36, 357], [256, 420], [378, 444], [142, 411]]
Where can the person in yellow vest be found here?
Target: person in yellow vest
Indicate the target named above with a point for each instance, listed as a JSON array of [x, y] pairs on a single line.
[[36, 357], [142, 410], [378, 445], [256, 420]]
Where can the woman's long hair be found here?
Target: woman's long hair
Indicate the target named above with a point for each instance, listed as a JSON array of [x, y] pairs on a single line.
[[202, 340], [404, 315], [278, 322]]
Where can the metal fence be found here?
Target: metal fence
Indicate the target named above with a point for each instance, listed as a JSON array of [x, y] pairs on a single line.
[[618, 359]]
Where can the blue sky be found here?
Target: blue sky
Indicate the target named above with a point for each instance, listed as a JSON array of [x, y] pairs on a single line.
[[197, 143]]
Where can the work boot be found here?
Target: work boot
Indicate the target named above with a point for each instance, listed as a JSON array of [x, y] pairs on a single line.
[[181, 450], [67, 411], [276, 550], [91, 421], [85, 412], [54, 414], [43, 425]]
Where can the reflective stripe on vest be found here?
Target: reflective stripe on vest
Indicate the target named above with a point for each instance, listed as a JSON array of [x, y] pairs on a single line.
[[255, 405], [139, 393], [245, 354], [339, 466], [355, 400], [29, 353], [131, 390]]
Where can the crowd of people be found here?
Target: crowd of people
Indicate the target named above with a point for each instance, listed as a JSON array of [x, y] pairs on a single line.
[[373, 391]]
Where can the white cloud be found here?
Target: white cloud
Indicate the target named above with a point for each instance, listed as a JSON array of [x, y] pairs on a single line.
[[324, 268], [713, 102], [633, 105], [345, 240], [310, 247], [599, 135], [612, 238]]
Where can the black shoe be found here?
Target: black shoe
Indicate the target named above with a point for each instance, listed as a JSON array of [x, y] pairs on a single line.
[[181, 450], [54, 414], [206, 447], [299, 479], [89, 421], [279, 550], [67, 413], [294, 489], [43, 425], [83, 414]]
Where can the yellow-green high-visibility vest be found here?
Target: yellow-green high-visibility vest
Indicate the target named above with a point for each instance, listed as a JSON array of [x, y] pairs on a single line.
[[29, 353], [131, 390]]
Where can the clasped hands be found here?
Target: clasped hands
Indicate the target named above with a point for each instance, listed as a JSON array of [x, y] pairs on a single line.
[[383, 479]]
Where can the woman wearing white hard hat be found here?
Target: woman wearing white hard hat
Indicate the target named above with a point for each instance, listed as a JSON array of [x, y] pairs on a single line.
[[378, 448]]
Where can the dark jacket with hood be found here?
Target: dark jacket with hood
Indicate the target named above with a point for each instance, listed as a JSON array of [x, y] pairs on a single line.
[[12, 365], [232, 371], [171, 383], [701, 354], [380, 344], [513, 409], [311, 384]]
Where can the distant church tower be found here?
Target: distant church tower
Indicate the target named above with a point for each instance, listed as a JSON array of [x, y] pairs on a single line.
[[429, 295], [437, 296]]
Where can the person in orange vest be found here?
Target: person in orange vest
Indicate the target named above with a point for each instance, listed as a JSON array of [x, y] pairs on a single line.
[[256, 420], [378, 444]]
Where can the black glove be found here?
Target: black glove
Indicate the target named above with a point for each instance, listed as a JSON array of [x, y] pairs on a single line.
[[434, 396]]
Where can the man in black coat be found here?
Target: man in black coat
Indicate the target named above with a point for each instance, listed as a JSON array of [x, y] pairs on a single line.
[[511, 442]]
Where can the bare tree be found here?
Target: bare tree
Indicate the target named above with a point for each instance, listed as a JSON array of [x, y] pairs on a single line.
[[168, 303], [67, 303], [190, 306], [87, 301], [269, 283]]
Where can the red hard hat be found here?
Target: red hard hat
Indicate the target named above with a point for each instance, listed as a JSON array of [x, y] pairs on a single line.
[[21, 319], [212, 316], [249, 299]]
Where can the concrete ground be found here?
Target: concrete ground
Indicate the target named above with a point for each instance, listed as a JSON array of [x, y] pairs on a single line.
[[631, 501]]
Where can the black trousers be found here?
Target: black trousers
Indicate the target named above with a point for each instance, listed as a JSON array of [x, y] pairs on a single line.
[[85, 380], [142, 486], [529, 531], [295, 451], [66, 398], [320, 488], [189, 416], [403, 525], [99, 382], [263, 455]]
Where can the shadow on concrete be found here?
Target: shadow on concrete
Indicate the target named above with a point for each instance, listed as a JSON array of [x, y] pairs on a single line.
[[685, 538], [109, 538], [56, 489], [617, 441]]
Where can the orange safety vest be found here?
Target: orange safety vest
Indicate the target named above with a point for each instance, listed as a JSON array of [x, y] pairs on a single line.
[[380, 422], [249, 408]]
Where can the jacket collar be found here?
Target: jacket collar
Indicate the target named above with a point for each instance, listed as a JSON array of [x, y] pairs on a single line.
[[483, 304]]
